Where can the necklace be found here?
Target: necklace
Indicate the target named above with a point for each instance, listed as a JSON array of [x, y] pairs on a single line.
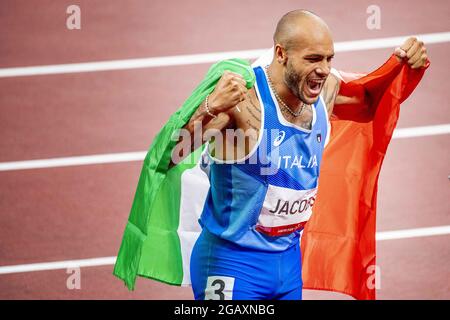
[[284, 105]]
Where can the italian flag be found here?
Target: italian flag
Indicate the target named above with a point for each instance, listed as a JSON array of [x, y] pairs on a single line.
[[338, 242], [163, 222]]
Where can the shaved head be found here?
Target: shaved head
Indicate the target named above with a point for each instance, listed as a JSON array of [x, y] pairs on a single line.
[[296, 25], [303, 49]]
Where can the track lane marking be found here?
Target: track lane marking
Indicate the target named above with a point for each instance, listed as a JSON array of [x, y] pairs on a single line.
[[411, 132], [73, 161], [106, 261], [178, 60], [413, 233], [56, 265], [422, 131]]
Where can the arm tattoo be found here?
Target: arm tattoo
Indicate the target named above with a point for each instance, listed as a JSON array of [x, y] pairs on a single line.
[[252, 126], [253, 104], [252, 113], [331, 90]]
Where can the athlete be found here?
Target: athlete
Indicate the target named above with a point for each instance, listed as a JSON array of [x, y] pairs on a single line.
[[264, 176]]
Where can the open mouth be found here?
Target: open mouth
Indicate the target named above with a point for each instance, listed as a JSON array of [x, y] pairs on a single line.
[[314, 86]]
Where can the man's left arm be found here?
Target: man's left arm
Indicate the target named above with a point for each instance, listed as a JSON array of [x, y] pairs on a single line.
[[330, 92], [412, 51]]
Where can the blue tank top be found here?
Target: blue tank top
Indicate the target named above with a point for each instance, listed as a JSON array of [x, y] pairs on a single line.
[[264, 200]]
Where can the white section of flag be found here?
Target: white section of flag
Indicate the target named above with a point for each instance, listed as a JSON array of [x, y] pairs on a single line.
[[194, 185]]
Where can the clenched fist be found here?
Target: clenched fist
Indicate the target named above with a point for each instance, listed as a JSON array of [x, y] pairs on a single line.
[[414, 51], [230, 90]]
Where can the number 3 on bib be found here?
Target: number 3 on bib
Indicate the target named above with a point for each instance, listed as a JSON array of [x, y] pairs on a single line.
[[219, 288]]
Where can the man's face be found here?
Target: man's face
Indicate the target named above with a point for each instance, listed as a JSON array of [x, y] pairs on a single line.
[[307, 68]]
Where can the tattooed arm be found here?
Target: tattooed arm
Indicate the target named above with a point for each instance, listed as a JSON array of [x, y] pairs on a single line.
[[197, 131], [229, 91], [330, 92]]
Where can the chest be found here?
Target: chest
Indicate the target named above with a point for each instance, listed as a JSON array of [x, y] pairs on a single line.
[[251, 115]]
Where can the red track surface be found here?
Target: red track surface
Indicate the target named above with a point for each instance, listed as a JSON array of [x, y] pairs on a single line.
[[80, 212]]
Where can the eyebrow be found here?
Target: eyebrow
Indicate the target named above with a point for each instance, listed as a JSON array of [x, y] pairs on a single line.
[[313, 55]]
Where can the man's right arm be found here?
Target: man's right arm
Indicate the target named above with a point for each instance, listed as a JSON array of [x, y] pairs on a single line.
[[212, 114]]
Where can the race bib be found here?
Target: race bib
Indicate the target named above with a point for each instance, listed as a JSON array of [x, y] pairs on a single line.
[[285, 210]]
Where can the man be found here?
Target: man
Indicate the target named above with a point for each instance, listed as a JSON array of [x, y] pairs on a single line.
[[264, 178]]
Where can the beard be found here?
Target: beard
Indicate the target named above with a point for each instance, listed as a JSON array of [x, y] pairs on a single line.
[[292, 80]]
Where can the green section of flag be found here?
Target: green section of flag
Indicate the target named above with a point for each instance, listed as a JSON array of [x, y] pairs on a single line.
[[150, 244]]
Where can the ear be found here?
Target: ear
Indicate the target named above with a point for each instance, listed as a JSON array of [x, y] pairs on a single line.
[[280, 54]]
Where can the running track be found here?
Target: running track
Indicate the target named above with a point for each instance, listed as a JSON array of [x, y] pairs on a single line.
[[72, 212]]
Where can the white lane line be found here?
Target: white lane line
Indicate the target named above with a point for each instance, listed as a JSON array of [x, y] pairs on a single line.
[[413, 233], [421, 131], [95, 262], [106, 261], [73, 161], [152, 62], [391, 42], [140, 155]]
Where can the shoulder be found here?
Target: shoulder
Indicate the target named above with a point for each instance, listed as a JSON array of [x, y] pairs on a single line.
[[330, 91], [331, 85]]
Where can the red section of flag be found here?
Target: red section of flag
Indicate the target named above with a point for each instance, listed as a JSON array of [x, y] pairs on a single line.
[[338, 243]]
